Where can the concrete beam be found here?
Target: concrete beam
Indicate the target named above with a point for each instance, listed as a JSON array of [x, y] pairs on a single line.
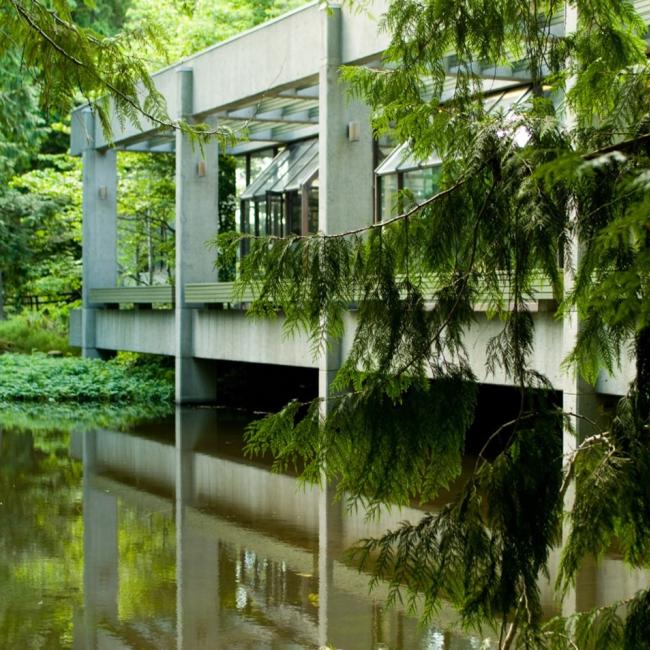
[[282, 133], [150, 332], [250, 146], [230, 335], [280, 58]]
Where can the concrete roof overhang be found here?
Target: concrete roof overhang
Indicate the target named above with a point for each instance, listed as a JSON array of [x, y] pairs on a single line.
[[263, 84]]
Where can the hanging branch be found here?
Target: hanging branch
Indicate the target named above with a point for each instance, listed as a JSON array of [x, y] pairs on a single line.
[[90, 48]]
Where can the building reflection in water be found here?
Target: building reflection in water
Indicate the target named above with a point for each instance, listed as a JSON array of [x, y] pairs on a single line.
[[190, 545]]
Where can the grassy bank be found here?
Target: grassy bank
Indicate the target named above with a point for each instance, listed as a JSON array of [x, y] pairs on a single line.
[[41, 378], [35, 331]]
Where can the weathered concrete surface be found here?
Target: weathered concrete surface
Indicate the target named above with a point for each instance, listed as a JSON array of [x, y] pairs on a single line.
[[150, 332], [197, 221], [233, 336]]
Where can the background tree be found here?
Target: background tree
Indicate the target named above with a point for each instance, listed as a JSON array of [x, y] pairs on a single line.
[[32, 98], [40, 234]]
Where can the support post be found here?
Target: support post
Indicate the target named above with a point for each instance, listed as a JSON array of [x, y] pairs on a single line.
[[345, 160], [99, 231], [197, 221], [345, 163], [345, 201], [578, 396]]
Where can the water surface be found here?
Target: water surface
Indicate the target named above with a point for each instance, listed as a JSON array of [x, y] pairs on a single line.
[[166, 536]]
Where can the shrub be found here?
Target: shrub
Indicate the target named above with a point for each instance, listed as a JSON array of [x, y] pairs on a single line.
[[38, 377], [34, 331]]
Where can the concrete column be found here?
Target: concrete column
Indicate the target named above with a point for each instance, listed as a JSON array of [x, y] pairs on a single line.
[[578, 396], [345, 165], [99, 234], [197, 172]]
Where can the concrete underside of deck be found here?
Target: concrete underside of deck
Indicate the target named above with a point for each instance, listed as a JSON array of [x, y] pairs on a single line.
[[231, 335]]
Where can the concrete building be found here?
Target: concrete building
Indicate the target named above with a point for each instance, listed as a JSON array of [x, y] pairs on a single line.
[[281, 80]]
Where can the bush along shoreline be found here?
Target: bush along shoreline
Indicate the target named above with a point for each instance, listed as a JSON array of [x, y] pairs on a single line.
[[38, 377]]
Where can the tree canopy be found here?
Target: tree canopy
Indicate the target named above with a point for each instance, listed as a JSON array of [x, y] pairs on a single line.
[[41, 80], [555, 187], [507, 210]]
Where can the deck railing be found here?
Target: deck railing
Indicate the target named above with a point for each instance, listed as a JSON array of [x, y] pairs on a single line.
[[223, 293]]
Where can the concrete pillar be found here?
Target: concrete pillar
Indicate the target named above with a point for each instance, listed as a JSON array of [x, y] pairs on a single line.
[[197, 172], [345, 166], [99, 234], [578, 396]]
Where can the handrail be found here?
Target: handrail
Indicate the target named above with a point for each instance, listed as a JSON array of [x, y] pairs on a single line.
[[155, 294], [223, 293]]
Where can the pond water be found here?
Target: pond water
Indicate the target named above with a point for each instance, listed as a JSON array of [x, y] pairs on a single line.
[[166, 536]]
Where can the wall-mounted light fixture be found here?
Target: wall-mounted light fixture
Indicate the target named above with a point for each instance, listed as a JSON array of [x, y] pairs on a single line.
[[103, 192], [354, 131], [201, 168]]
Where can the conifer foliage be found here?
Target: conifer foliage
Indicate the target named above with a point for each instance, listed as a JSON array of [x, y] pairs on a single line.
[[517, 190], [71, 60]]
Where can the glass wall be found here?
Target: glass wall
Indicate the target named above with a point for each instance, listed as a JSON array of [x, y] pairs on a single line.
[[283, 199], [402, 180]]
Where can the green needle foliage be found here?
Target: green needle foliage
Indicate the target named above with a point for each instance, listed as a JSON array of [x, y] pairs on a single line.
[[70, 60], [517, 190]]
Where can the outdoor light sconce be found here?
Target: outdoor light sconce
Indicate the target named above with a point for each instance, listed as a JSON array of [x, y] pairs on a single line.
[[354, 131], [103, 192], [201, 168]]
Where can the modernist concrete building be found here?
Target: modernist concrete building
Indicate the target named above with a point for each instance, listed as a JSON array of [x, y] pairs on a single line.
[[280, 80]]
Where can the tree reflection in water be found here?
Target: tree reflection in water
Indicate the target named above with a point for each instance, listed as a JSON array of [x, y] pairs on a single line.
[[172, 539]]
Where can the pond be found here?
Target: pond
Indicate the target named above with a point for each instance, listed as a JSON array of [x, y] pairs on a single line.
[[166, 536]]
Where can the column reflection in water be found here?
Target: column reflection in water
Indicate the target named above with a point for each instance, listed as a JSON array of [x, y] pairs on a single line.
[[101, 556], [197, 550], [256, 560]]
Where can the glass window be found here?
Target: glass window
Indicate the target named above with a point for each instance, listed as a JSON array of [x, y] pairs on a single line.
[[276, 214], [294, 216], [312, 206], [277, 193], [421, 183], [387, 196], [259, 161], [262, 225]]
